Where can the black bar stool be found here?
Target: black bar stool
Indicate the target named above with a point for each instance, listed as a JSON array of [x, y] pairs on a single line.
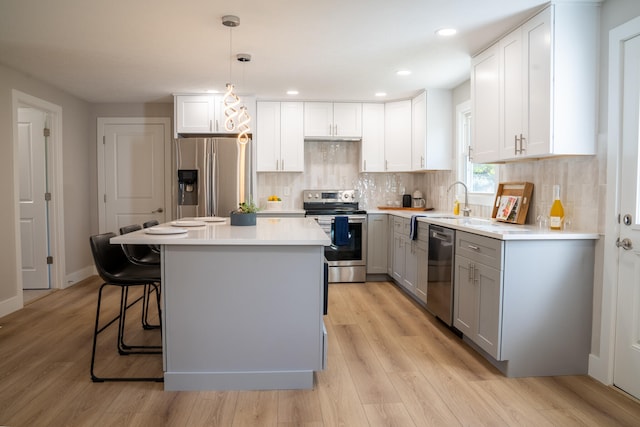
[[143, 255], [117, 270]]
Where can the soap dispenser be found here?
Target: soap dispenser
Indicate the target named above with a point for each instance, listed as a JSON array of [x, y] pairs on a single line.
[[456, 206]]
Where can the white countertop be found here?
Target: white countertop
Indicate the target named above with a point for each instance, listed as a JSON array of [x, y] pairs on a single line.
[[267, 231], [489, 227]]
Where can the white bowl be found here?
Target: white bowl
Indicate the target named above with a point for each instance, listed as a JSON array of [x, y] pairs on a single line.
[[274, 206]]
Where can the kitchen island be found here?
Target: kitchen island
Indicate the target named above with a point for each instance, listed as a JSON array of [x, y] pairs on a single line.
[[242, 306]]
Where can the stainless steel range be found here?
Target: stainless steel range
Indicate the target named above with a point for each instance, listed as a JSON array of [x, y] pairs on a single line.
[[337, 212]]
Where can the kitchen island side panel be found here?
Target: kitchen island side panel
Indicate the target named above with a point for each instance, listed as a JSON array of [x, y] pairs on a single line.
[[242, 317]]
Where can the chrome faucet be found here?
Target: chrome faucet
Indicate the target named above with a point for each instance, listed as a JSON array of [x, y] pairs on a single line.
[[466, 210]]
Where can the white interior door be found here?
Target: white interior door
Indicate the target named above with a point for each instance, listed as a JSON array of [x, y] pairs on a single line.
[[627, 342], [33, 207], [135, 185]]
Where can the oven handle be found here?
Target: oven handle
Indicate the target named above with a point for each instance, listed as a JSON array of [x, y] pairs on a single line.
[[329, 219]]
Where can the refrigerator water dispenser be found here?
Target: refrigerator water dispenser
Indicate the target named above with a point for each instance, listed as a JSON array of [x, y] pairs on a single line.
[[187, 187]]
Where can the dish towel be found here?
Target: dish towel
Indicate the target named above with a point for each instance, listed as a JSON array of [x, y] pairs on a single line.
[[413, 227], [341, 231]]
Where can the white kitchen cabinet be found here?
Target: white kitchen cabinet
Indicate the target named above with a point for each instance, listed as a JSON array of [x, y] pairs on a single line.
[[431, 127], [332, 120], [485, 106], [203, 114], [377, 229], [372, 148], [279, 137], [526, 305], [397, 136], [547, 88]]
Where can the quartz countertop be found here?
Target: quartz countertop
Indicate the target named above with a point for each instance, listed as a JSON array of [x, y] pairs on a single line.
[[490, 227], [267, 231]]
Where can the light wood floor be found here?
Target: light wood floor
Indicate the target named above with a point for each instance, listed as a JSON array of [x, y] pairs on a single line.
[[390, 364]]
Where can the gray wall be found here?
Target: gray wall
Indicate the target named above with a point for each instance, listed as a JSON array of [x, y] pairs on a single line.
[[76, 179]]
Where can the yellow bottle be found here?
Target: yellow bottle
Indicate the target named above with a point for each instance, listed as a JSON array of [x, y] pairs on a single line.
[[556, 215], [456, 206]]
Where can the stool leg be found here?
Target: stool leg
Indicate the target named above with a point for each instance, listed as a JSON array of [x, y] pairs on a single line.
[[124, 348], [97, 330], [145, 301]]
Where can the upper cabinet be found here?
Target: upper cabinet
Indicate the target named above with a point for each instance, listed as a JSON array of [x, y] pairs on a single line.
[[203, 114], [544, 76], [431, 127], [372, 150], [397, 136], [332, 120], [279, 137]]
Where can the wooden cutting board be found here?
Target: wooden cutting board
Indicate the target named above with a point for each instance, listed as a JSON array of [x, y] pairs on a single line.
[[399, 208]]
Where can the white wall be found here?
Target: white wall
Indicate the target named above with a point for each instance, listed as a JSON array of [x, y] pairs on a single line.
[[76, 176]]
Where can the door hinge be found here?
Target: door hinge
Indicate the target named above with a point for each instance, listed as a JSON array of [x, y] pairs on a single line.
[[105, 198], [49, 259], [46, 132], [47, 197], [618, 218], [104, 140]]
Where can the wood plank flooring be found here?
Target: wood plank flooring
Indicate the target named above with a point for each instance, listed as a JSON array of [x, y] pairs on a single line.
[[390, 364]]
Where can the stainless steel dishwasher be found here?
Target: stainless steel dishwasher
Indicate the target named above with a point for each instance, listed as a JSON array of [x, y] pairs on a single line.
[[440, 272]]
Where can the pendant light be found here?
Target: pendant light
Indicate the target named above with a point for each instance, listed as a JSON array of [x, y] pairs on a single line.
[[236, 116]]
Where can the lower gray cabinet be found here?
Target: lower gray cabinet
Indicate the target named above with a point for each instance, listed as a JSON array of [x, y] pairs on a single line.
[[526, 305], [478, 303], [377, 246]]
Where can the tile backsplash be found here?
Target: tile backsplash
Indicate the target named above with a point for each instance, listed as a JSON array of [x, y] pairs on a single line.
[[335, 165]]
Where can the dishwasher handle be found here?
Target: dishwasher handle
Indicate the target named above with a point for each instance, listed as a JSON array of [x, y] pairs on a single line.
[[442, 236]]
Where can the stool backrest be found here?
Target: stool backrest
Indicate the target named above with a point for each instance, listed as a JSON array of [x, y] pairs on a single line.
[[150, 223], [109, 259]]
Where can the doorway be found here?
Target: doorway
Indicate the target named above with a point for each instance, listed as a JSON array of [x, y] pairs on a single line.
[[134, 155], [619, 360], [39, 226]]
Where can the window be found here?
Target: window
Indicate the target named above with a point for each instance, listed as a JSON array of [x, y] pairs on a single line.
[[481, 179]]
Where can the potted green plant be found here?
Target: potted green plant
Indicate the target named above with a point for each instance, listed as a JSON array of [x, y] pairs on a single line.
[[245, 214]]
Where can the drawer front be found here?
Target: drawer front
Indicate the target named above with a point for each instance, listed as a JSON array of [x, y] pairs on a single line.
[[423, 232], [401, 225], [481, 249]]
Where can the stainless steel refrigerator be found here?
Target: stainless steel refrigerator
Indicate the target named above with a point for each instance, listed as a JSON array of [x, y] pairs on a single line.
[[208, 179]]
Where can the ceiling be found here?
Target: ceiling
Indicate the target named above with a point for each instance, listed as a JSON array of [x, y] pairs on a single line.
[[146, 50]]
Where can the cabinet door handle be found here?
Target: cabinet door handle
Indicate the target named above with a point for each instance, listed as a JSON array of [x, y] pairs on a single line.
[[515, 145], [277, 164], [421, 162], [522, 149], [473, 247], [470, 155], [471, 272], [386, 165], [282, 163], [210, 125], [330, 129]]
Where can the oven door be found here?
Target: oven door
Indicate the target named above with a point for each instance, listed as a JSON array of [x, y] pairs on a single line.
[[351, 253]]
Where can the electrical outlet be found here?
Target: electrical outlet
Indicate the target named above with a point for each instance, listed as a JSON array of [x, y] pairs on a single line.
[[287, 191]]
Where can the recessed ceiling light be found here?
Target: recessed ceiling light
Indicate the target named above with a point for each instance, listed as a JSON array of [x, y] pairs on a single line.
[[403, 72], [292, 92], [381, 94], [446, 31]]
